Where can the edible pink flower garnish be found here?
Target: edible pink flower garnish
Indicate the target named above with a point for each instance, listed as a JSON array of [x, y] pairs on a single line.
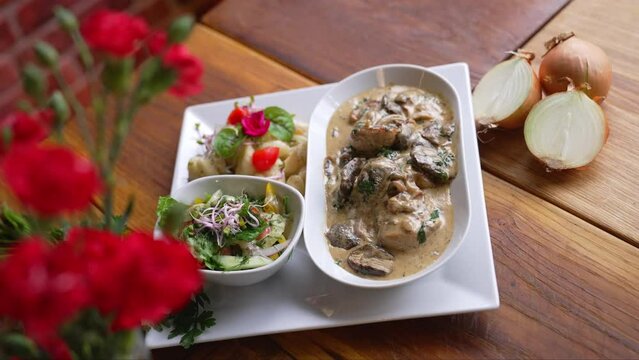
[[255, 124]]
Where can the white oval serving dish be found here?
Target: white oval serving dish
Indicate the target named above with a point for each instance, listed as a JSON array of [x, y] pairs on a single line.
[[315, 226], [253, 186]]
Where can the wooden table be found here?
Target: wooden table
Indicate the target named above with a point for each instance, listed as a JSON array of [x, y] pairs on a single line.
[[565, 244]]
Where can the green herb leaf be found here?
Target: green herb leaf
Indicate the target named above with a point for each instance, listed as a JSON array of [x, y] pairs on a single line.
[[249, 234], [421, 234], [282, 125], [171, 214], [366, 187], [203, 245], [444, 158], [227, 141], [190, 322], [434, 215]]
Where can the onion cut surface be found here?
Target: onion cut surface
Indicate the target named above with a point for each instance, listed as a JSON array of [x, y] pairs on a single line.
[[566, 130], [507, 92]]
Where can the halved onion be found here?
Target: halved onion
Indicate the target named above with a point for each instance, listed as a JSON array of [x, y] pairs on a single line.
[[569, 57], [507, 92], [566, 130]]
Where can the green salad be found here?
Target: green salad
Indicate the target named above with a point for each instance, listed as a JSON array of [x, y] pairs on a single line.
[[226, 232]]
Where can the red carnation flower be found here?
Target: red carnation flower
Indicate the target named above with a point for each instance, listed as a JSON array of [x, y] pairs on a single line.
[[50, 180], [157, 42], [26, 129], [42, 288], [114, 32], [189, 70], [136, 279]]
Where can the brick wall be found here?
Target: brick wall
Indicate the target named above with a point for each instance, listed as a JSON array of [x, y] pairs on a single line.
[[24, 22]]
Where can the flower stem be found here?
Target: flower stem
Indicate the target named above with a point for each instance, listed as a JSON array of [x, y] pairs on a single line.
[[99, 104], [83, 49], [109, 184], [122, 125], [80, 114]]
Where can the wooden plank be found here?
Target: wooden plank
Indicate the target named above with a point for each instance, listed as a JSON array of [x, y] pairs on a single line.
[[605, 193], [328, 40], [568, 290]]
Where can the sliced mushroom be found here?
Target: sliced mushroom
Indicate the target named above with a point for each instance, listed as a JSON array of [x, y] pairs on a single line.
[[371, 260], [391, 106], [436, 164], [342, 236], [345, 155], [348, 174]]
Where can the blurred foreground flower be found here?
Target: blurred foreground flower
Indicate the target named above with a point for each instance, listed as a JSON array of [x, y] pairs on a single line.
[[74, 284], [46, 288], [51, 180]]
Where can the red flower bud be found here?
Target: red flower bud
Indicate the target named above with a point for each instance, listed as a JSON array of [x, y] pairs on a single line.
[[50, 180], [114, 32], [157, 42], [189, 70], [26, 129]]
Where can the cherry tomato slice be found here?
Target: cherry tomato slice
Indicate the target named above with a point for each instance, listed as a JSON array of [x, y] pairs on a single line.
[[237, 114], [264, 159]]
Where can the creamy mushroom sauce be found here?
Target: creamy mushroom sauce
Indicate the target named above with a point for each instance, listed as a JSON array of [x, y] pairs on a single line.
[[390, 160]]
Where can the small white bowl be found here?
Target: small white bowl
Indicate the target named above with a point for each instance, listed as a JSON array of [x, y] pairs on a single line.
[[315, 226], [253, 186]]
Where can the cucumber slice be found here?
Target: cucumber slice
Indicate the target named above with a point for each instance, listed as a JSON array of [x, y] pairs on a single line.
[[234, 263]]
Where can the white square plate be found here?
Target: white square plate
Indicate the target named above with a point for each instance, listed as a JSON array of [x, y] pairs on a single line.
[[301, 297]]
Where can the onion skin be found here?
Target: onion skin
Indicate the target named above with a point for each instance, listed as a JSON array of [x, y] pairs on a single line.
[[518, 118], [580, 61]]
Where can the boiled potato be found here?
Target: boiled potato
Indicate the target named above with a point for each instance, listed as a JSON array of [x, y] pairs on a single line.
[[244, 165], [297, 182], [200, 166], [296, 160]]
